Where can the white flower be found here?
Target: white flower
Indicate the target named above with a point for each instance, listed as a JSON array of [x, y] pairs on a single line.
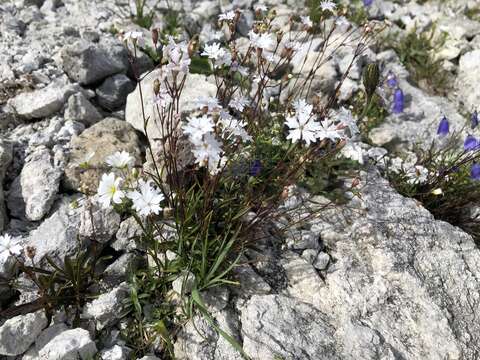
[[261, 41], [417, 175], [209, 102], [341, 21], [302, 130], [213, 51], [328, 130], [328, 5], [9, 246], [260, 7], [353, 151], [238, 103], [163, 98], [207, 150], [220, 55], [109, 190], [347, 119], [196, 127], [229, 15], [241, 69], [178, 57], [136, 37], [306, 21], [120, 159], [234, 127], [147, 200]]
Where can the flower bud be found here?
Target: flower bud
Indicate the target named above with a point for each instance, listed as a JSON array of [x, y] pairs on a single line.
[[155, 37], [30, 251], [156, 86], [371, 78], [167, 212], [193, 46], [355, 182]]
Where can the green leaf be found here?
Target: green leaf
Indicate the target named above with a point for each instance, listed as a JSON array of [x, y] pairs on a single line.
[[200, 65]]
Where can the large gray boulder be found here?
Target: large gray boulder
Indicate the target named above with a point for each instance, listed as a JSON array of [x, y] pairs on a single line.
[[79, 108], [34, 190], [113, 92], [74, 344], [402, 284], [87, 62], [468, 79], [275, 326], [19, 332], [102, 140], [43, 102], [57, 235]]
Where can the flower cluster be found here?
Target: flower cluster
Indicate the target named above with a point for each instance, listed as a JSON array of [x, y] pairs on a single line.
[[114, 189]]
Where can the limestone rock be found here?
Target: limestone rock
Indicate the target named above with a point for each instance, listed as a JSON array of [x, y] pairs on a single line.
[[57, 235], [79, 108], [19, 332], [88, 63], [43, 102], [34, 192], [107, 308], [74, 344], [102, 140], [275, 326], [113, 92]]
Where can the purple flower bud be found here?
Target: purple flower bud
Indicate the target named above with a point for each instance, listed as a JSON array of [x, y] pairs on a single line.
[[475, 172], [391, 79], [367, 2], [474, 119], [443, 127], [470, 143], [255, 168], [398, 101]]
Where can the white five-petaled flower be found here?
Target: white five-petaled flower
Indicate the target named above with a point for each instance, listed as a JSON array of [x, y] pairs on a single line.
[[136, 37], [219, 55], [261, 41], [146, 200], [207, 150], [209, 102], [196, 127], [306, 21], [120, 159], [417, 175], [213, 51], [302, 128], [328, 130], [109, 190], [163, 98], [228, 16], [238, 103], [178, 57], [260, 7], [328, 5], [9, 246]]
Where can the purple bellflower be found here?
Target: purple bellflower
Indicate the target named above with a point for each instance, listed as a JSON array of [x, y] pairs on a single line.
[[256, 168], [475, 172], [470, 143], [398, 101], [474, 119], [443, 127], [391, 79]]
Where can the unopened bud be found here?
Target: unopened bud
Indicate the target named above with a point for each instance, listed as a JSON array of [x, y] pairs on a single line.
[[30, 251], [371, 78], [355, 182], [167, 212], [193, 46], [285, 192], [156, 86], [155, 37]]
